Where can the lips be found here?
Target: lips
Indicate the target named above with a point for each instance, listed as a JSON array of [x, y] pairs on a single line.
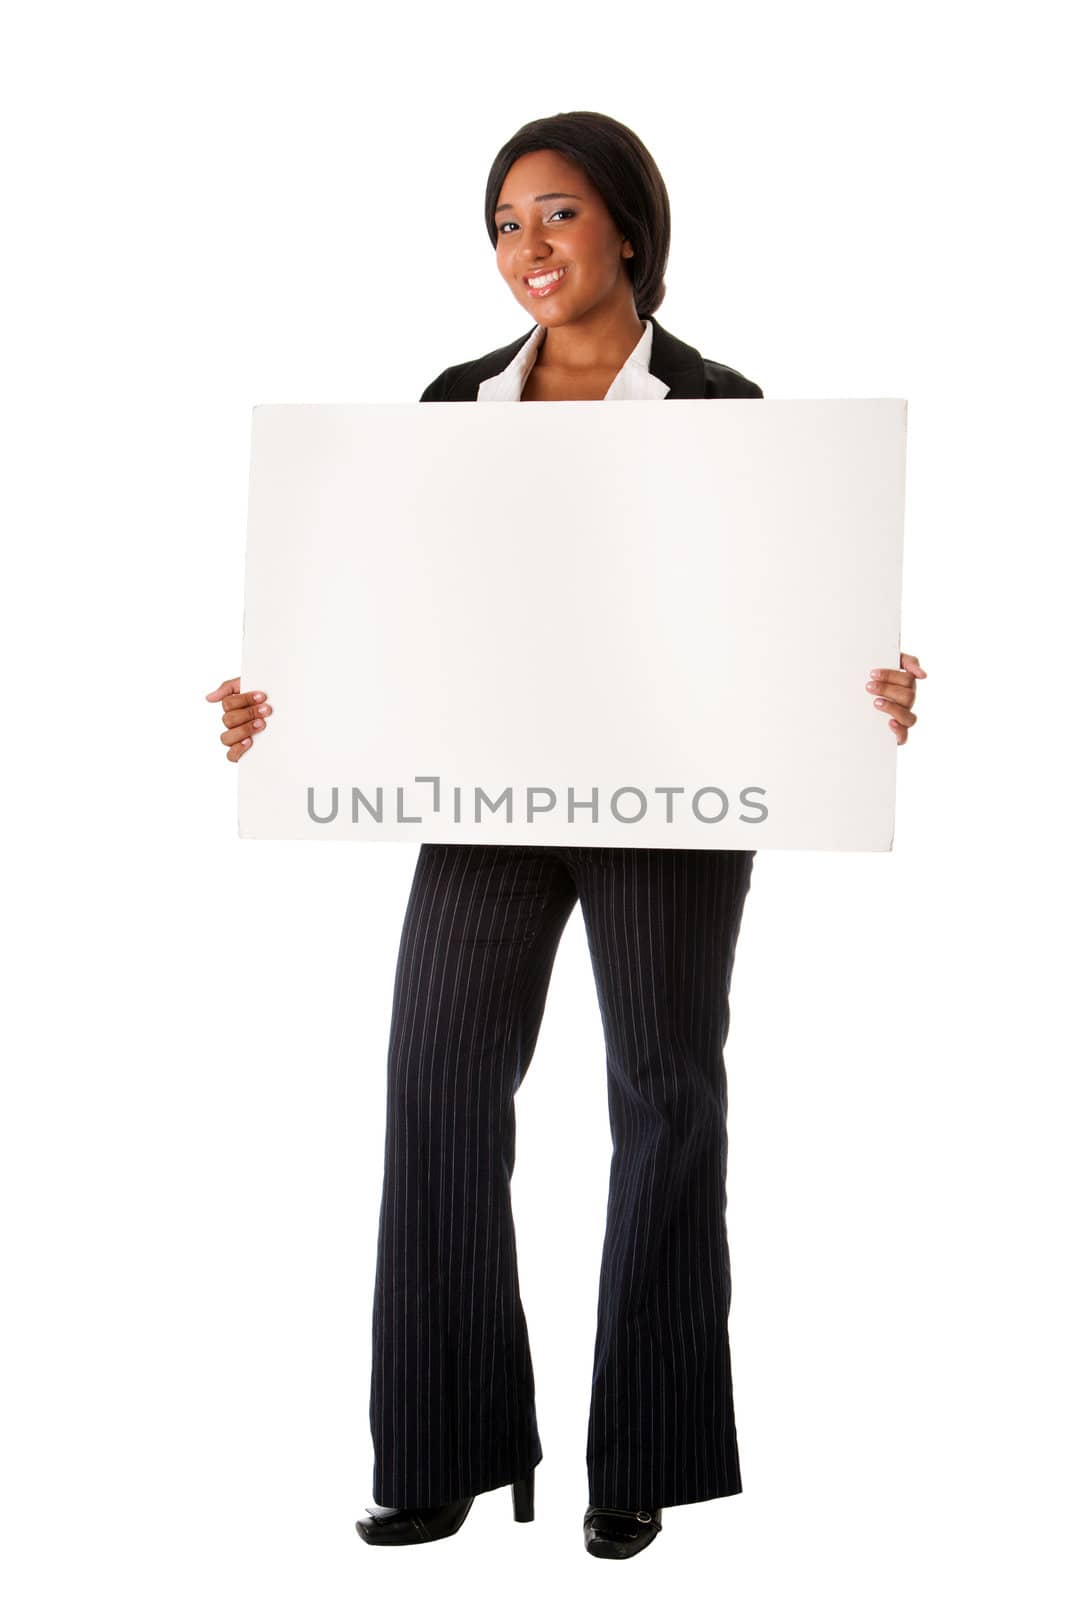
[[545, 288]]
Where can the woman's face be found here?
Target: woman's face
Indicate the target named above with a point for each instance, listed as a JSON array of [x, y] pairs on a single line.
[[549, 218]]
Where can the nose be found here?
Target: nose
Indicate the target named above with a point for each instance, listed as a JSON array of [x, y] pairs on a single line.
[[535, 258], [535, 251]]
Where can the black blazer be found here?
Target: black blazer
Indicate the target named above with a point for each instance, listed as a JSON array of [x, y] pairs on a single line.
[[691, 376]]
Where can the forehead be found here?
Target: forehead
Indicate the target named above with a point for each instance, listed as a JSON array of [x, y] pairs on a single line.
[[540, 171]]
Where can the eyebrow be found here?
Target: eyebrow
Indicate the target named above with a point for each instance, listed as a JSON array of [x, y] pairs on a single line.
[[507, 207]]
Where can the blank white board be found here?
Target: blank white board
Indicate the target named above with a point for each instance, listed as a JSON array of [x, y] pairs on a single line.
[[644, 625]]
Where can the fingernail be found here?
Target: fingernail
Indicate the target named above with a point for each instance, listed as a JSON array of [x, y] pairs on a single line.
[[246, 741], [259, 723], [258, 695]]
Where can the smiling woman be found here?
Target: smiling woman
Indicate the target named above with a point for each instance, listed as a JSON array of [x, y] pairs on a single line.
[[579, 219], [578, 216]]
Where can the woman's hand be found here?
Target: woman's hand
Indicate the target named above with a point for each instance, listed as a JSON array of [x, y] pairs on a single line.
[[896, 692], [243, 715]]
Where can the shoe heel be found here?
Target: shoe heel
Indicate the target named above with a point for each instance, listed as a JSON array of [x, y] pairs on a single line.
[[522, 1498]]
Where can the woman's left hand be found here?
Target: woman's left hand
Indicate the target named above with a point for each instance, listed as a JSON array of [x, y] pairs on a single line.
[[895, 692]]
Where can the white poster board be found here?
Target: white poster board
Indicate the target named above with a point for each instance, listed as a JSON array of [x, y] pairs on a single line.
[[591, 624]]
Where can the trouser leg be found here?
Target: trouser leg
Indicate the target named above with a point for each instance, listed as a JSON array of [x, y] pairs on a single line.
[[452, 1389], [662, 927]]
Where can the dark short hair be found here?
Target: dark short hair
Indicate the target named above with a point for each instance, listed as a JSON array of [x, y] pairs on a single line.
[[623, 174]]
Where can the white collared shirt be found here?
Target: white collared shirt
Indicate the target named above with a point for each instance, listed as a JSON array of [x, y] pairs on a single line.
[[633, 381]]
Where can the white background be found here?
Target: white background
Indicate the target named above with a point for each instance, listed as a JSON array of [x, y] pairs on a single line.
[[206, 207]]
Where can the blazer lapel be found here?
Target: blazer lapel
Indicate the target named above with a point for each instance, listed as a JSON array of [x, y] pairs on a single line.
[[473, 373], [678, 364]]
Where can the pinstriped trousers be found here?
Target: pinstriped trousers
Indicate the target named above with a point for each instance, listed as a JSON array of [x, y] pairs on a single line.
[[452, 1387]]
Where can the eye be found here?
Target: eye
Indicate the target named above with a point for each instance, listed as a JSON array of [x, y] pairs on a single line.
[[562, 212]]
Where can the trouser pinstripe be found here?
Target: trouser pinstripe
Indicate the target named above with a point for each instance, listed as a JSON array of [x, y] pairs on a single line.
[[452, 1388]]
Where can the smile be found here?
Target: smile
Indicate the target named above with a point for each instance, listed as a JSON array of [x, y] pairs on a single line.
[[545, 282]]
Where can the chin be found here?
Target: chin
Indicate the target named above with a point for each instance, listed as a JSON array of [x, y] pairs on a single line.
[[549, 314]]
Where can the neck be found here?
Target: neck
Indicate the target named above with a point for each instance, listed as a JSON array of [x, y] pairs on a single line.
[[604, 338]]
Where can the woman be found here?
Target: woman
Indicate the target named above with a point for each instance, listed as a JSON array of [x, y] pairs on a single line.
[[579, 218]]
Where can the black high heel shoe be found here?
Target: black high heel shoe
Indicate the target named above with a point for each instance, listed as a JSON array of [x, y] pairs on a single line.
[[395, 1525], [618, 1534]]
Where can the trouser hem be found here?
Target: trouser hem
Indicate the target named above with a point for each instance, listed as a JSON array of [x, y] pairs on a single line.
[[499, 1478]]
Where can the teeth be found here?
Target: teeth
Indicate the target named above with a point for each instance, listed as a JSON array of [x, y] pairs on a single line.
[[549, 277]]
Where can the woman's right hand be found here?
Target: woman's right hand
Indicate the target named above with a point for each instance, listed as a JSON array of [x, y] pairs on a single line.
[[243, 715]]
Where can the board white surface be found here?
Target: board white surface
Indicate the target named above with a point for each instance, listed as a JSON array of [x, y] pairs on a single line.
[[556, 602]]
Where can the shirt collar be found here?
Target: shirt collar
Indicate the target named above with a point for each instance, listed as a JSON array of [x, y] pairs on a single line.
[[633, 381]]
